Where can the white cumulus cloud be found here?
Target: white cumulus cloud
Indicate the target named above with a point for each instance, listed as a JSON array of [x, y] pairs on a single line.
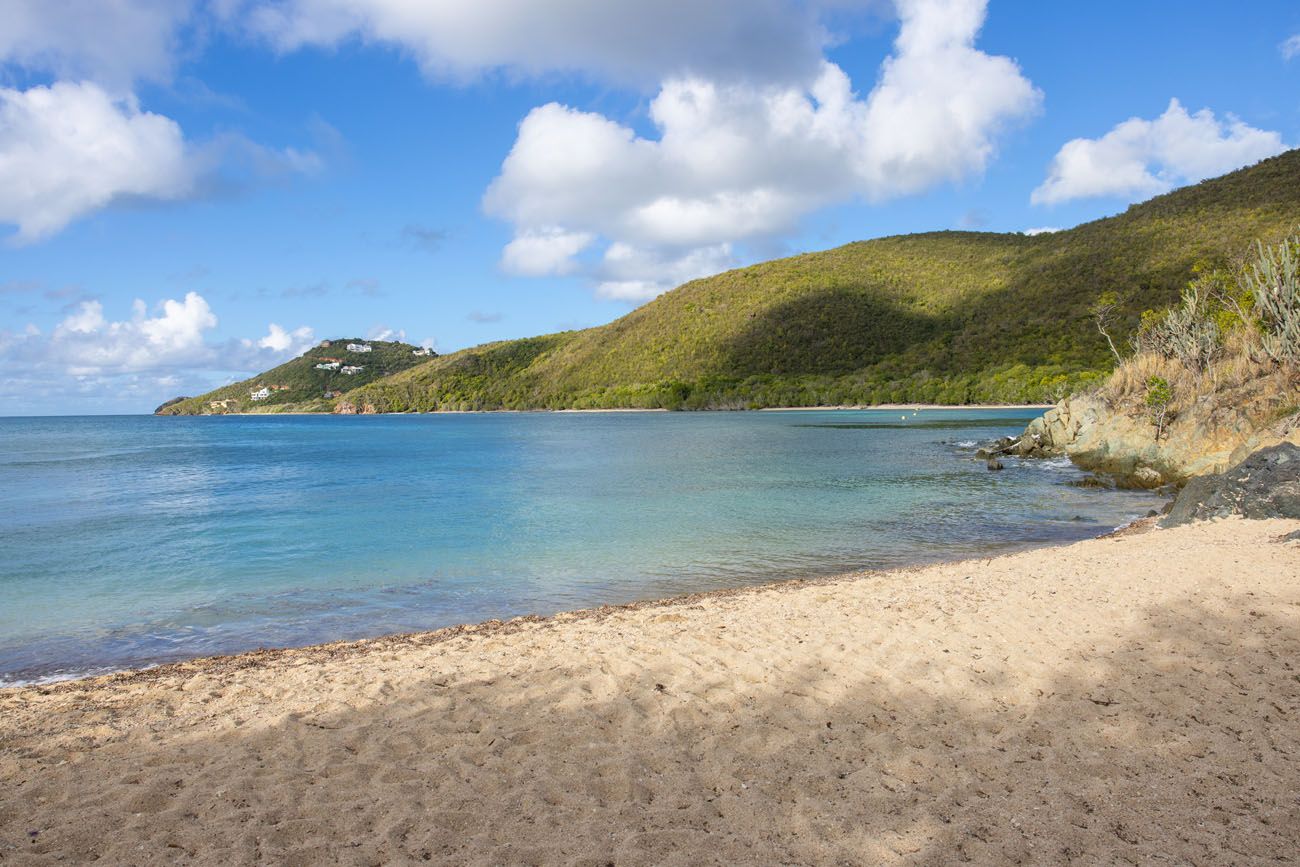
[[550, 250], [383, 332], [113, 42], [78, 144], [736, 161], [1140, 158], [71, 148], [173, 338], [628, 42], [280, 340], [131, 364], [623, 271], [85, 342], [1291, 48]]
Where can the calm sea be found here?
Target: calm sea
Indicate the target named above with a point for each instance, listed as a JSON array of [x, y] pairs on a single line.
[[127, 541]]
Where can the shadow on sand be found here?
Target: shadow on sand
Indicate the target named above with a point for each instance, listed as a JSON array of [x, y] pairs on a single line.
[[1178, 743]]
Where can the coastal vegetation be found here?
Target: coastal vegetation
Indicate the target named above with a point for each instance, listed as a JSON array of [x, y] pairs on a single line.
[[309, 383], [1235, 331], [1207, 381], [942, 317]]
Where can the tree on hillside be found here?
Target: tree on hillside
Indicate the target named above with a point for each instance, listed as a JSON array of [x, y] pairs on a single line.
[[1105, 313]]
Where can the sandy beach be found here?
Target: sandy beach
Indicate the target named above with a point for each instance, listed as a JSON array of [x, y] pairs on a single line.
[[1130, 699]]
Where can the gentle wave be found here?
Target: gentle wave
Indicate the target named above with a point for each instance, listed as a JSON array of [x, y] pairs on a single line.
[[217, 536]]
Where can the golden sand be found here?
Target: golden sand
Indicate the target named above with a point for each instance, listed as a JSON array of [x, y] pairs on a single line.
[[1132, 699]]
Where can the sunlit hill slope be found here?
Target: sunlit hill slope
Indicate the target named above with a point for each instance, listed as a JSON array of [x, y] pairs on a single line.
[[943, 317]]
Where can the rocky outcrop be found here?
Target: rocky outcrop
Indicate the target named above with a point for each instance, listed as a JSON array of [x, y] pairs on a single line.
[[1024, 446], [347, 407], [168, 404], [1121, 443], [1264, 485]]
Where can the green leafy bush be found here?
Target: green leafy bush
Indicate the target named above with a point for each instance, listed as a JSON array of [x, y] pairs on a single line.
[[1159, 397]]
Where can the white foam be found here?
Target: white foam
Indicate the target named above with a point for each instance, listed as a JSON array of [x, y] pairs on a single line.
[[61, 676]]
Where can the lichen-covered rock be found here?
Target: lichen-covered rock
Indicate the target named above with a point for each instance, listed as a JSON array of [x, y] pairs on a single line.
[[1264, 485], [1145, 477], [1208, 438]]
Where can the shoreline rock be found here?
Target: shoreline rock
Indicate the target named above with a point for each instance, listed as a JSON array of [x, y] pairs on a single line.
[[1213, 436], [1025, 446], [1264, 485]]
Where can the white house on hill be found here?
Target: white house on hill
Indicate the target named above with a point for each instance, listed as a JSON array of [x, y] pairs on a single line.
[[261, 394], [359, 347]]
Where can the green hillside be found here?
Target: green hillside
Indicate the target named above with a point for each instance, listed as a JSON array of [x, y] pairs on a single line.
[[300, 384], [944, 317]]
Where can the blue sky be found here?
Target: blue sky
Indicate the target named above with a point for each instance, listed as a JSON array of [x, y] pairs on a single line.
[[190, 192]]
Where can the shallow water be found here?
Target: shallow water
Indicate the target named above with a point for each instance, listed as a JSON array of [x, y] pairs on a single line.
[[131, 540]]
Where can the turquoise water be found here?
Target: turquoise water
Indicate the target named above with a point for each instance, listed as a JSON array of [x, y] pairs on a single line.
[[126, 541]]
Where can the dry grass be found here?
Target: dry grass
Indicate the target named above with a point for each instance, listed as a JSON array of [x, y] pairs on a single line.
[[1128, 383], [1240, 377]]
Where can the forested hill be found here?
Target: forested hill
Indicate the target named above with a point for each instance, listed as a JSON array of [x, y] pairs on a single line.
[[310, 382], [944, 317], [947, 317]]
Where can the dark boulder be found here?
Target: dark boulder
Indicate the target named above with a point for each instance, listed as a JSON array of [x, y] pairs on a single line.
[[1264, 485], [993, 449], [1027, 446], [994, 464]]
